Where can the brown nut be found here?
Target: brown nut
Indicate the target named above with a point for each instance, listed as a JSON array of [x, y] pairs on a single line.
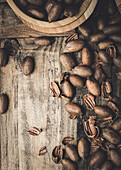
[[101, 22], [55, 89], [42, 151], [85, 30], [70, 10], [76, 80], [74, 46], [68, 89], [67, 61], [97, 37], [72, 153], [93, 86], [35, 131], [115, 19], [36, 2], [57, 154], [111, 29], [111, 51], [71, 37], [117, 62], [114, 108], [115, 157], [116, 38], [49, 5], [89, 101], [102, 111], [68, 1], [73, 108], [42, 41], [69, 165], [86, 57], [110, 8], [83, 148], [106, 89], [3, 57], [28, 65], [23, 3], [97, 159], [4, 103], [111, 136], [54, 12], [105, 58], [107, 165], [104, 44], [36, 12], [117, 124], [83, 71], [66, 140], [99, 75]]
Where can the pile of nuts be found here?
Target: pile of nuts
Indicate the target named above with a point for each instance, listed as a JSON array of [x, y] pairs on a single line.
[[102, 141], [50, 10]]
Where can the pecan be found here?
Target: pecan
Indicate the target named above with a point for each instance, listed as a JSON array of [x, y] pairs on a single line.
[[57, 154], [114, 108], [73, 36], [72, 116], [90, 129], [111, 51], [118, 75], [97, 59], [93, 148], [64, 76], [99, 142], [106, 89], [89, 101], [66, 140], [35, 131], [43, 151], [104, 122], [65, 97], [55, 89], [99, 75]]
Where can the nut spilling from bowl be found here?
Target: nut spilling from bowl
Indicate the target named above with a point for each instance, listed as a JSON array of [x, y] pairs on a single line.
[[49, 10]]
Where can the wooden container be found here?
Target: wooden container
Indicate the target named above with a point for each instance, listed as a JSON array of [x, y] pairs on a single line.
[[61, 26], [118, 3]]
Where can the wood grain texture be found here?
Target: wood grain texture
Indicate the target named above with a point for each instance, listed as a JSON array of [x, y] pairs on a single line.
[[11, 26], [31, 104], [60, 26]]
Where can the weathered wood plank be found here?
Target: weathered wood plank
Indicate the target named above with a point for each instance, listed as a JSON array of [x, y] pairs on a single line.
[[31, 104], [11, 26]]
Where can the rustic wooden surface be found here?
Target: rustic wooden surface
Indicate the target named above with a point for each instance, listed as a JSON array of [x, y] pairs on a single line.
[[31, 103], [61, 26], [11, 26]]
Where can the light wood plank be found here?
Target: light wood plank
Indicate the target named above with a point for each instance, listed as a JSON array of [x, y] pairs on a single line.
[[31, 104]]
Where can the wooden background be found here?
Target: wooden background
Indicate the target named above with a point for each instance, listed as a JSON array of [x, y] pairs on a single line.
[[31, 103]]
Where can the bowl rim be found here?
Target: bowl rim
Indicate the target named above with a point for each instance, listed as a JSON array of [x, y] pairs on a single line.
[[55, 24]]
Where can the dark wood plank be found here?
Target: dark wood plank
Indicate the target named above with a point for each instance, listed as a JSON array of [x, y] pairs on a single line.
[[11, 26]]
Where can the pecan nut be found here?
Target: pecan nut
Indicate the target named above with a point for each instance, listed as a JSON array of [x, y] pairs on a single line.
[[89, 101], [111, 51], [43, 151], [106, 89], [73, 36], [55, 90]]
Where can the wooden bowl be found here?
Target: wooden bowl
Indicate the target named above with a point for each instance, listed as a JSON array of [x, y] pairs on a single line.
[[118, 3], [61, 26]]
